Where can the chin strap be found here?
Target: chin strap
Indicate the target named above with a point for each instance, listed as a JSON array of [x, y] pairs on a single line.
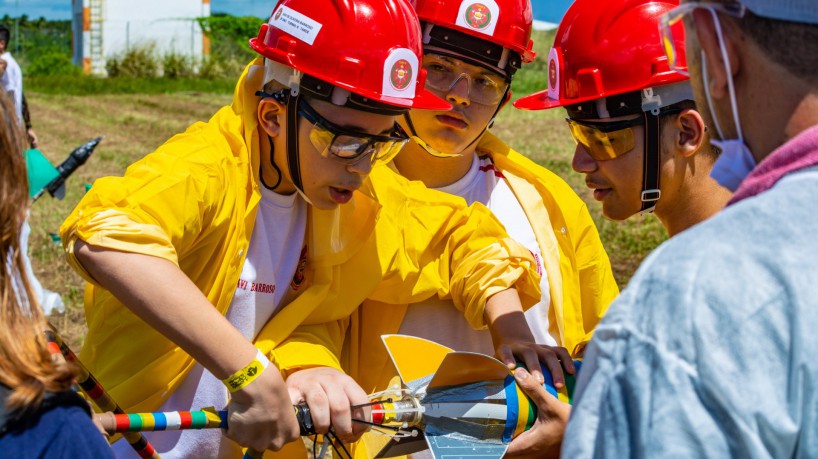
[[275, 167], [651, 164], [293, 158], [423, 144]]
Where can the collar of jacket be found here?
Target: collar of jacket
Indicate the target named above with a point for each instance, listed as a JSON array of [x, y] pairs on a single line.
[[531, 200]]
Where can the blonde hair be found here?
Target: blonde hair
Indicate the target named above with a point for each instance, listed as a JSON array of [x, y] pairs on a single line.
[[25, 363]]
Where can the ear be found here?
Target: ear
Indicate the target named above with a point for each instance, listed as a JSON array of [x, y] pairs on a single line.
[[691, 133], [708, 37], [270, 114]]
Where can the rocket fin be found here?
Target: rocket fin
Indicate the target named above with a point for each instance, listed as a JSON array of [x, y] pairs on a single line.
[[414, 357], [466, 368], [403, 447], [452, 447]]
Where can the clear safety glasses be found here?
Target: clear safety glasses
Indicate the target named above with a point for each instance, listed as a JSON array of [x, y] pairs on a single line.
[[350, 146], [442, 74], [672, 26]]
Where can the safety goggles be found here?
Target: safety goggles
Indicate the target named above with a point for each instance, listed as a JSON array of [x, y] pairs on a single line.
[[350, 146], [443, 74], [671, 26], [605, 140]]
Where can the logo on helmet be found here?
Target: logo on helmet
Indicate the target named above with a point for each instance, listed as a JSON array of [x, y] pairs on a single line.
[[554, 59], [478, 16], [552, 73], [278, 14], [401, 74]]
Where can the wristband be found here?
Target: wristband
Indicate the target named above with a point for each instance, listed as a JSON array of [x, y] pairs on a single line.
[[242, 378]]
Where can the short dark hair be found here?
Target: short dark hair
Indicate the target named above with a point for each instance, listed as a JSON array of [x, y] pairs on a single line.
[[5, 35], [793, 45]]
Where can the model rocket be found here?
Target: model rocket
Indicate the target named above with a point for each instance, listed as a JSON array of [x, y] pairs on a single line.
[[456, 404]]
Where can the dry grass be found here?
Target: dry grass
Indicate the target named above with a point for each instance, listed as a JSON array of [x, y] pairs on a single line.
[[134, 125]]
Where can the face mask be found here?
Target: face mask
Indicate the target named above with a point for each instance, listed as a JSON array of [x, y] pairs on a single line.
[[736, 160]]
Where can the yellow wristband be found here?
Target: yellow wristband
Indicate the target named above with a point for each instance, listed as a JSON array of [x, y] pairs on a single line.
[[242, 378]]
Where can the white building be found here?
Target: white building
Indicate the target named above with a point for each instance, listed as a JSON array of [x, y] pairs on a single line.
[[106, 28]]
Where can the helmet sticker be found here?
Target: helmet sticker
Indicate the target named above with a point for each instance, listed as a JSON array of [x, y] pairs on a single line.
[[478, 15], [554, 74], [295, 24], [400, 72]]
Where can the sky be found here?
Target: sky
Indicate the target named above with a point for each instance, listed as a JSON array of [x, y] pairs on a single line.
[[61, 9], [544, 10]]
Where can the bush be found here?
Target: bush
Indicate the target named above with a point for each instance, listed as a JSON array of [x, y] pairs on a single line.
[[175, 66], [139, 62], [52, 63]]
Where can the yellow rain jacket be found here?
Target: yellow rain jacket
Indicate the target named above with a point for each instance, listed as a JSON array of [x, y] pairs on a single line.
[[193, 202], [579, 272]]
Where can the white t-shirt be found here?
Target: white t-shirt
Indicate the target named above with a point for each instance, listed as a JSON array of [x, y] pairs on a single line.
[[275, 253], [12, 81], [438, 320]]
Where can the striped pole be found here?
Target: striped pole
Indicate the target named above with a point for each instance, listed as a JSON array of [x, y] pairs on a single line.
[[208, 418], [94, 390]]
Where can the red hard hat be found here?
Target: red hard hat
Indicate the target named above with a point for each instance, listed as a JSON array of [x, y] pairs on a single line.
[[369, 47], [504, 22], [604, 48]]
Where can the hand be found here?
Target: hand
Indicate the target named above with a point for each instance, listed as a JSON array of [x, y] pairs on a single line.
[[3, 65], [544, 439], [330, 394], [32, 138], [532, 354], [512, 337], [260, 416]]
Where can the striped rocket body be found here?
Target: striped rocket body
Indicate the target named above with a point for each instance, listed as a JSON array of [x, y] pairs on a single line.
[[522, 413]]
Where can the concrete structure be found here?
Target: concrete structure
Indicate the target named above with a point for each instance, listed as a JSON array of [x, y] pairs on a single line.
[[106, 28]]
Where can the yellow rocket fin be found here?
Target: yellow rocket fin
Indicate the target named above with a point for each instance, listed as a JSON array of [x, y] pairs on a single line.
[[414, 357]]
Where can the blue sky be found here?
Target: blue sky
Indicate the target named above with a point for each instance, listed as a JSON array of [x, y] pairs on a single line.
[[544, 10], [61, 9]]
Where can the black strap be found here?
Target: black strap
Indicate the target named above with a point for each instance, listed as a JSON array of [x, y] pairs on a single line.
[[293, 158], [414, 133], [651, 164]]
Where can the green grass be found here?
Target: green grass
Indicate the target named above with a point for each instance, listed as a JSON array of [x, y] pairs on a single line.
[[87, 85]]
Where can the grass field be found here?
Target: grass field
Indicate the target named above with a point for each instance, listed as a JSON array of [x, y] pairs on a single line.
[[135, 124]]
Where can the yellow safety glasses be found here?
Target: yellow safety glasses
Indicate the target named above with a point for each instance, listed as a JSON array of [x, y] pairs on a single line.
[[349, 146], [604, 140]]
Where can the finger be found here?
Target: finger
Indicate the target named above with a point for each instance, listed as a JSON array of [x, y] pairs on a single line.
[[296, 397], [319, 408], [505, 355], [552, 364], [357, 396], [565, 357], [532, 362], [340, 411]]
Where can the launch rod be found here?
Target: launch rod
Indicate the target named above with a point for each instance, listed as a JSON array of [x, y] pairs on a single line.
[[94, 390]]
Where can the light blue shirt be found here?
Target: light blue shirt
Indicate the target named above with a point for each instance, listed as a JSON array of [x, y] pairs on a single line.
[[712, 350]]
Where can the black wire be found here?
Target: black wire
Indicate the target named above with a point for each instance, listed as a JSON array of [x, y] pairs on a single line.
[[355, 407], [376, 425]]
